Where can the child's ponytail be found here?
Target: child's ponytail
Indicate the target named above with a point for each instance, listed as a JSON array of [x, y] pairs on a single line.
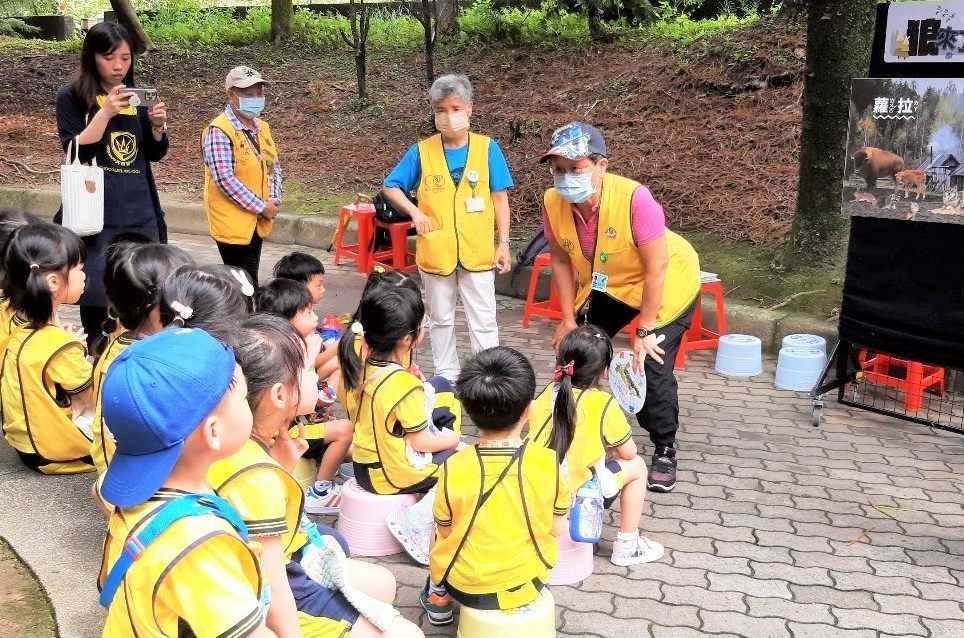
[[583, 357], [350, 361], [390, 309], [33, 252], [563, 412]]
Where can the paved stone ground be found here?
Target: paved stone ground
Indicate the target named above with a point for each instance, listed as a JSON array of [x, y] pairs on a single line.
[[775, 529]]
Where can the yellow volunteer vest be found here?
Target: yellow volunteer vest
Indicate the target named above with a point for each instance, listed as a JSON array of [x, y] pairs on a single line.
[[139, 608], [228, 222], [102, 448], [458, 238], [231, 479], [510, 542], [37, 417], [623, 267]]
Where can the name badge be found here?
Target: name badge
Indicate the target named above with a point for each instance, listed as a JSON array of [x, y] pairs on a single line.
[[600, 281], [474, 205]]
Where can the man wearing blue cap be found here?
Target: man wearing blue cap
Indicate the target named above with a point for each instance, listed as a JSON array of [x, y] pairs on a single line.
[[614, 260], [176, 555]]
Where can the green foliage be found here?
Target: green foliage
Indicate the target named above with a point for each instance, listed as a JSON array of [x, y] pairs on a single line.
[[186, 23], [546, 25], [685, 31]]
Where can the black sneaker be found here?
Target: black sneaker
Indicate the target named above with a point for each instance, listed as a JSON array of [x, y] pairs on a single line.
[[662, 471]]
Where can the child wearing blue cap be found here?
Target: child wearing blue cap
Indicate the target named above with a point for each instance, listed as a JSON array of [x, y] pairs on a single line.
[[176, 555]]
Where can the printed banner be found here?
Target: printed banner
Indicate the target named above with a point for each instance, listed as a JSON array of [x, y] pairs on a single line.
[[905, 150], [925, 32]]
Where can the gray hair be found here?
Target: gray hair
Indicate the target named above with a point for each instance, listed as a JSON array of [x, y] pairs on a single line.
[[450, 84]]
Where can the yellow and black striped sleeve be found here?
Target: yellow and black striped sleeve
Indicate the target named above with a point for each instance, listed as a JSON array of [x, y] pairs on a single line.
[[410, 411], [69, 368], [259, 495]]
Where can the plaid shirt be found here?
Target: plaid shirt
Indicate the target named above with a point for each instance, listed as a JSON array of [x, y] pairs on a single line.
[[219, 157]]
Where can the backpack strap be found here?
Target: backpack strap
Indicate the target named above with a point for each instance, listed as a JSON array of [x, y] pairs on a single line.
[[167, 515]]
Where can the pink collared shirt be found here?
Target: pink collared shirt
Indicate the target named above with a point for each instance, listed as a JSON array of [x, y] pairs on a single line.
[[648, 221]]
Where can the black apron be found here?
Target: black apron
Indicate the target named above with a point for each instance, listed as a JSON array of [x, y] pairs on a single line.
[[128, 201]]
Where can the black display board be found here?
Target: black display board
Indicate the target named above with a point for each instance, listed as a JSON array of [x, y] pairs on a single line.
[[903, 289]]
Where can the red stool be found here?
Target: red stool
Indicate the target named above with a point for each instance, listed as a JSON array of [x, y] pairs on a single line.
[[548, 308], [698, 337], [910, 377], [397, 252], [363, 212], [362, 252]]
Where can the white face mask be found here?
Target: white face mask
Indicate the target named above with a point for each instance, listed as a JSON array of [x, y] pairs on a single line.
[[452, 123]]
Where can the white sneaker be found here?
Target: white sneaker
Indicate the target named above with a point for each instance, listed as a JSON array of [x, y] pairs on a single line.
[[646, 551], [415, 536], [346, 470], [323, 503]]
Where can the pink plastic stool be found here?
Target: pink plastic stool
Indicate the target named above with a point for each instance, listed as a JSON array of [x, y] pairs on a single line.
[[362, 520], [574, 561]]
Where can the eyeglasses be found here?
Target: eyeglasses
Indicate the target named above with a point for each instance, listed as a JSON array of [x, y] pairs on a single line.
[[559, 171]]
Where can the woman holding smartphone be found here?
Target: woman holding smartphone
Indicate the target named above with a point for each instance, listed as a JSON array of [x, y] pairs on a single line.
[[95, 112]]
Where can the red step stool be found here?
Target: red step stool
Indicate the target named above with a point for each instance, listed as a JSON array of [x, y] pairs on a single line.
[[696, 338], [910, 377], [362, 252]]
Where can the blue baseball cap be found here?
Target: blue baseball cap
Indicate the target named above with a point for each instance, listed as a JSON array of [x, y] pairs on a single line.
[[575, 140], [156, 392]]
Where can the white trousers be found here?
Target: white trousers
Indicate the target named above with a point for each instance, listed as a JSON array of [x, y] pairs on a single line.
[[477, 291]]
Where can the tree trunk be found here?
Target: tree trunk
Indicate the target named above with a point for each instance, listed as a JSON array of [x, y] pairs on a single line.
[[839, 36], [597, 32], [127, 17], [282, 18], [447, 16], [428, 26]]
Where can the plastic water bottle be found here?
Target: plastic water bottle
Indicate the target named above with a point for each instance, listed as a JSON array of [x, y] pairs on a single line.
[[330, 329], [586, 516]]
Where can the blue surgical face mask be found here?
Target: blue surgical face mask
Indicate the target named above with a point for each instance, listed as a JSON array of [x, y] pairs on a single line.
[[574, 188], [251, 106]]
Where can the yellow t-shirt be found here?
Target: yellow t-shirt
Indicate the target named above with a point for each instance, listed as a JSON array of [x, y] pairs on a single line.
[[102, 448], [510, 542], [270, 503], [269, 500], [6, 319], [42, 368], [390, 405], [198, 577], [600, 425]]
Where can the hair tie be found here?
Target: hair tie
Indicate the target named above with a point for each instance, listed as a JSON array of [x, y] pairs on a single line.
[[357, 328], [564, 370], [183, 312], [32, 266], [247, 288], [379, 269]]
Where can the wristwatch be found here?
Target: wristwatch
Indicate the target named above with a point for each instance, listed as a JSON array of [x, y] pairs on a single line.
[[642, 333]]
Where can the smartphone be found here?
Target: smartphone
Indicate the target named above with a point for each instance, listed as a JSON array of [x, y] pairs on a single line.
[[145, 97]]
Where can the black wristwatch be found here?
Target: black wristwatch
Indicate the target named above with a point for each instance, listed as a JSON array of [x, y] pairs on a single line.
[[642, 333]]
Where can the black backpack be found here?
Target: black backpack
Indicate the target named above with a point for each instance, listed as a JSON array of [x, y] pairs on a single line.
[[386, 212], [537, 245]]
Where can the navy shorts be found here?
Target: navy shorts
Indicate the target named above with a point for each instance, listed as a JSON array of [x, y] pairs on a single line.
[[315, 600]]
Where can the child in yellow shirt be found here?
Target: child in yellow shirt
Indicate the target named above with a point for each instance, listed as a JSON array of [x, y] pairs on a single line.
[[45, 379], [586, 427], [257, 481], [176, 402], [328, 439], [499, 504], [403, 428], [133, 274]]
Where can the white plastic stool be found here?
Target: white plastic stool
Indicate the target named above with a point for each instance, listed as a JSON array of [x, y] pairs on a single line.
[[362, 519], [574, 561], [739, 356], [799, 369], [538, 621], [804, 341]]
